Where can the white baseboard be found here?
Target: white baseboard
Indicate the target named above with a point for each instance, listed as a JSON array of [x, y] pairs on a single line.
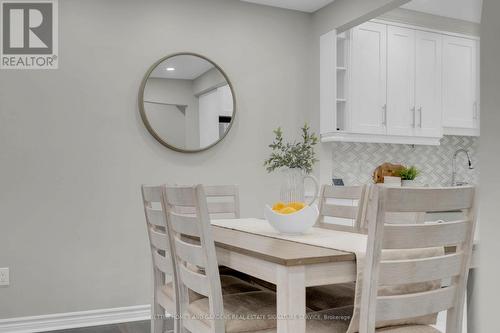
[[68, 320]]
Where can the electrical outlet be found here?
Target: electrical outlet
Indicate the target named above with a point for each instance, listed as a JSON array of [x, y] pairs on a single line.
[[4, 276]]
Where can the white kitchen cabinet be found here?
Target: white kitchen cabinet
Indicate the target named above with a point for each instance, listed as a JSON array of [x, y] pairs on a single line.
[[396, 83], [400, 81], [428, 82], [414, 83], [460, 92], [368, 79]]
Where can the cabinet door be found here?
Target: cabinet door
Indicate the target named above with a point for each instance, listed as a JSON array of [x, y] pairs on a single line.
[[459, 82], [400, 81], [428, 84], [368, 78]]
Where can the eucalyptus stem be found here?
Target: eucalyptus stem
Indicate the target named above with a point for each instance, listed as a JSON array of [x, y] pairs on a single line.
[[293, 155]]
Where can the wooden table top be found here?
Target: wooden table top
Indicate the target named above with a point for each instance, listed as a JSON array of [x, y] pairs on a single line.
[[283, 252]]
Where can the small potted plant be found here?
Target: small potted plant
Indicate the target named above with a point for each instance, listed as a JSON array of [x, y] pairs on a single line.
[[408, 175]]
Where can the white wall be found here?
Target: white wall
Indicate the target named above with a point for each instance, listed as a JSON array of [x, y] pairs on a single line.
[[73, 150]]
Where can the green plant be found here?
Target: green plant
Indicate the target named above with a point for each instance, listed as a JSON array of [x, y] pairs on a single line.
[[299, 155], [408, 173]]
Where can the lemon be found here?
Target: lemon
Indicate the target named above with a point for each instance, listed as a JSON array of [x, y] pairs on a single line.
[[279, 206], [288, 210], [296, 205]]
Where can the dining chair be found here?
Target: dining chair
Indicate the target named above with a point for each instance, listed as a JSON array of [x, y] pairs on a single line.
[[341, 207], [163, 268], [165, 294], [194, 246], [455, 236], [347, 205], [223, 202]]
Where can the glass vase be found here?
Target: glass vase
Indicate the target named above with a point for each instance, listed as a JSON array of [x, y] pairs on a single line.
[[292, 186]]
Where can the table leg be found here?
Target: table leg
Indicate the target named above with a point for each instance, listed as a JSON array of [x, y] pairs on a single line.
[[291, 299]]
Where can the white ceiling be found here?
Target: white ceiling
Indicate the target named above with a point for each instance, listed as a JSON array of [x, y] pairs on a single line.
[[468, 10], [302, 5], [186, 67]]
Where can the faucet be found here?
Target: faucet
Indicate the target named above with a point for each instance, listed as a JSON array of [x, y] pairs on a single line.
[[454, 166]]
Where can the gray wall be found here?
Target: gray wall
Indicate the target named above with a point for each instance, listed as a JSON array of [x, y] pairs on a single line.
[[73, 150], [489, 190]]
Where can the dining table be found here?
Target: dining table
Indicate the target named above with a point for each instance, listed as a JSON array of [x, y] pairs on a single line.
[[290, 264]]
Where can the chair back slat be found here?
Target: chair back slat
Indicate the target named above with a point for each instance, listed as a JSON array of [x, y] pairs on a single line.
[[346, 212], [151, 193], [341, 208], [184, 224], [221, 191], [188, 222], [155, 217], [222, 200], [411, 236], [221, 207], [343, 192], [190, 253], [159, 240], [441, 199], [181, 196], [164, 264], [415, 305], [194, 281], [389, 264], [395, 272]]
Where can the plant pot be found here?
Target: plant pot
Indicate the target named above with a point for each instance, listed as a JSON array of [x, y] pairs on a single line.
[[392, 181], [409, 183]]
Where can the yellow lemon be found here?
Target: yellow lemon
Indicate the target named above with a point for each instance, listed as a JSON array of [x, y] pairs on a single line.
[[287, 210], [279, 206], [296, 205]]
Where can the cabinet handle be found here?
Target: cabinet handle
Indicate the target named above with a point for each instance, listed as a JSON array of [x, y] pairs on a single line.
[[420, 115], [414, 124], [384, 115]]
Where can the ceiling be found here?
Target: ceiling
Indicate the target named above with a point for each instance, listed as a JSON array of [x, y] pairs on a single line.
[[468, 10], [186, 67], [301, 5]]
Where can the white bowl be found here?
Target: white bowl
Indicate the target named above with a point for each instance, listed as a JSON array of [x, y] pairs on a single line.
[[293, 224]]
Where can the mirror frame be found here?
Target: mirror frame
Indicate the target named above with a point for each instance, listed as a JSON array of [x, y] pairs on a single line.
[[142, 110]]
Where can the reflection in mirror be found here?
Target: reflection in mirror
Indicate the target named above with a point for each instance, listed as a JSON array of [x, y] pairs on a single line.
[[187, 103]]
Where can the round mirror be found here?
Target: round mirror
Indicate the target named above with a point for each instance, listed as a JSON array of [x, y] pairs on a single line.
[[187, 102]]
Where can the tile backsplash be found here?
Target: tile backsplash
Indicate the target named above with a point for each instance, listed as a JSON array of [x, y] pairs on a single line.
[[355, 162]]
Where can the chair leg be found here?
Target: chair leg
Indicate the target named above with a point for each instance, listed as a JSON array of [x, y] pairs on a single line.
[[157, 319]]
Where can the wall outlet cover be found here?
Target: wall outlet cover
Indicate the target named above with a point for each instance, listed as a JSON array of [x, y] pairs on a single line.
[[4, 277]]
